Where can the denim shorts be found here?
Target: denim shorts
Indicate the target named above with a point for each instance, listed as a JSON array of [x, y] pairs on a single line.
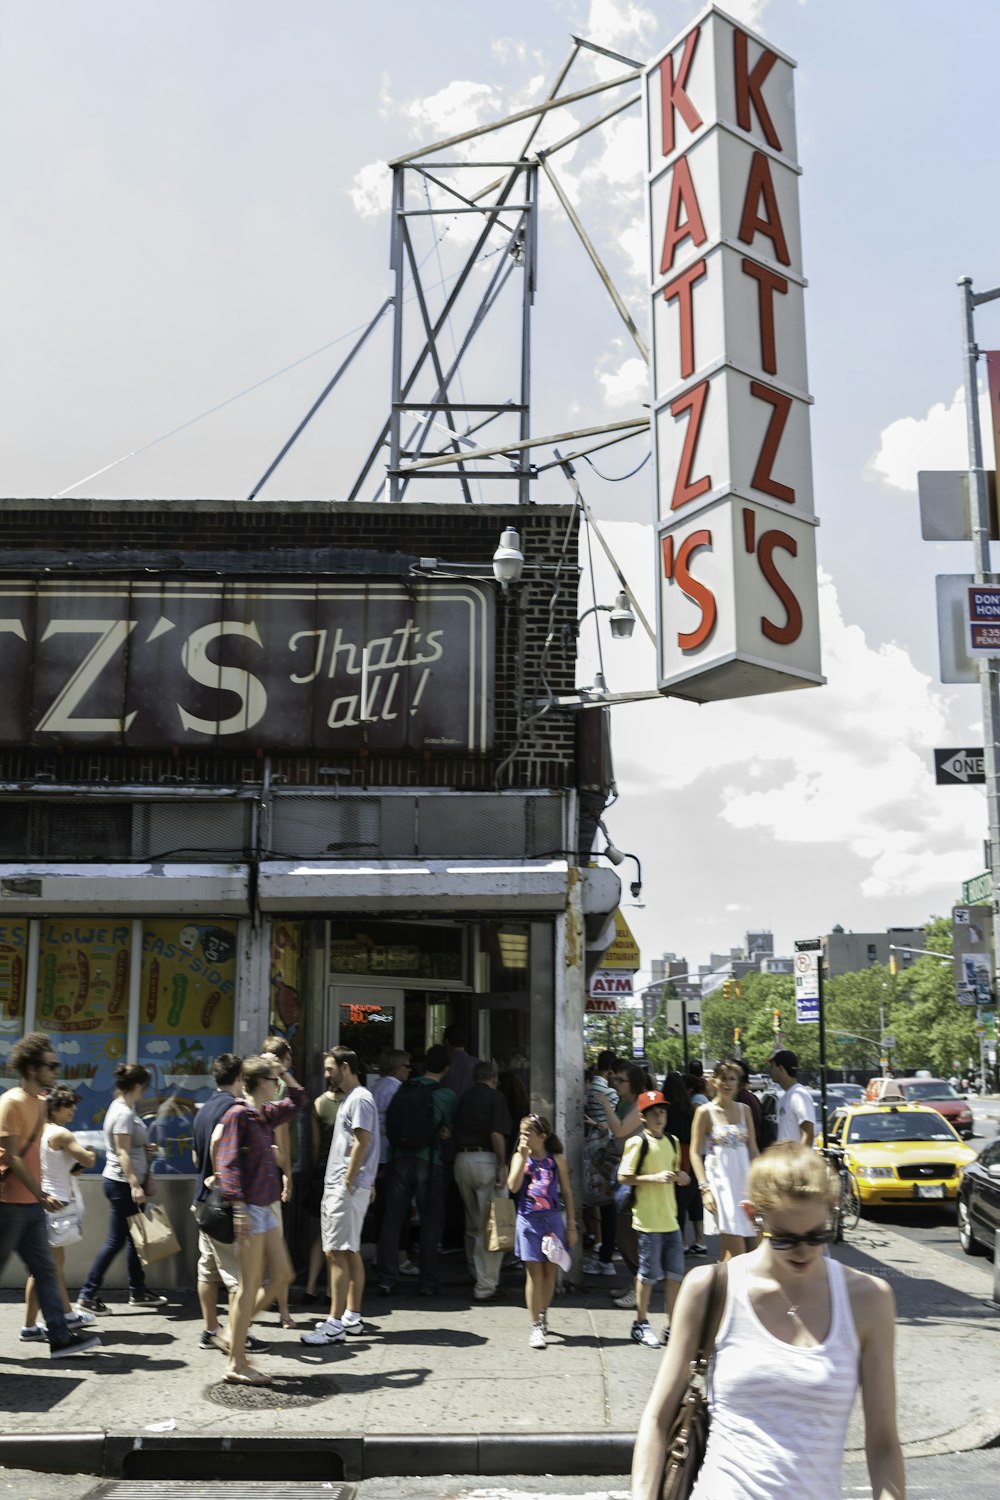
[[661, 1257], [261, 1218]]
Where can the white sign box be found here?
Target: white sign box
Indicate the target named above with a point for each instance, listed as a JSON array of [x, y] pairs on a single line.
[[733, 462], [744, 313], [738, 605], [731, 434]]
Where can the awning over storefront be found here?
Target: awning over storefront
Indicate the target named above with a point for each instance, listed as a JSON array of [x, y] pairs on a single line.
[[216, 890], [413, 885]]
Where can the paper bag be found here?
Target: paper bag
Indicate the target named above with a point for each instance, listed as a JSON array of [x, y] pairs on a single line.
[[153, 1235], [500, 1224]]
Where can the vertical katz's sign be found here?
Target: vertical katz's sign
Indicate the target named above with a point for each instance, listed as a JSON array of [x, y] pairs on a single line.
[[737, 600]]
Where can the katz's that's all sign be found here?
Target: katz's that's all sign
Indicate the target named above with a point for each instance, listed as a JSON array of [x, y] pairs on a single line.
[[734, 508]]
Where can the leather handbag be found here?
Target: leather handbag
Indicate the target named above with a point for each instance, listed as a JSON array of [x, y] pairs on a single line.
[[215, 1216], [687, 1435]]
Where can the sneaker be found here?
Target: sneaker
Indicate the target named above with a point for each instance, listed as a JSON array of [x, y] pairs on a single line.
[[382, 1288], [595, 1267], [495, 1294], [544, 1320], [33, 1332], [665, 1335], [211, 1340], [146, 1299], [536, 1338], [255, 1346], [626, 1299], [407, 1268], [642, 1333], [78, 1319], [696, 1249], [330, 1332], [91, 1305], [74, 1343], [352, 1325]]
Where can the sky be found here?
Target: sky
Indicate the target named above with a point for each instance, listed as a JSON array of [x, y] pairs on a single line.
[[196, 229]]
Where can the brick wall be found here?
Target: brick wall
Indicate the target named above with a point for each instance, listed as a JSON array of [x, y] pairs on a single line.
[[532, 748]]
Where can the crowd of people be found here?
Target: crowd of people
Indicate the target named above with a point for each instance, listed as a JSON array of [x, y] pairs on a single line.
[[795, 1331]]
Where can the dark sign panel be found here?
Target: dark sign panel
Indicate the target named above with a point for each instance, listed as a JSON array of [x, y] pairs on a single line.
[[296, 665], [959, 767]]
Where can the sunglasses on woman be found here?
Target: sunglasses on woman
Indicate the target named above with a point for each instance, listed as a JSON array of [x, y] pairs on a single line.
[[793, 1241]]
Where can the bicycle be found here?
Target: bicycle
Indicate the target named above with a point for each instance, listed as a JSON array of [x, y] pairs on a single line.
[[847, 1209]]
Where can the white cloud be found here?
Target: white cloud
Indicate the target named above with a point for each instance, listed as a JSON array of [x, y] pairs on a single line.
[[748, 12], [155, 1048], [68, 1049], [935, 441], [460, 105], [613, 23], [371, 191], [627, 386]]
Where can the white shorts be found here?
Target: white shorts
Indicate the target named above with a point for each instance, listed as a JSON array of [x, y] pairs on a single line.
[[217, 1262], [342, 1216], [262, 1218]]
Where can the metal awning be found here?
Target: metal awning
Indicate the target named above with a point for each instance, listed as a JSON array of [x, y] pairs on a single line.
[[413, 885], [220, 890]]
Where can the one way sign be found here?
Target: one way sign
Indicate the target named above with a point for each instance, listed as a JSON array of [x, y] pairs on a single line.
[[959, 767]]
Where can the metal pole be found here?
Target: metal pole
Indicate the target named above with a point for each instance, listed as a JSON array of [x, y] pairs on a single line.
[[396, 266], [822, 1038], [987, 666]]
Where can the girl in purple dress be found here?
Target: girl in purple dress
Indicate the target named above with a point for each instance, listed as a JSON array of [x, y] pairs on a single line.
[[538, 1177]]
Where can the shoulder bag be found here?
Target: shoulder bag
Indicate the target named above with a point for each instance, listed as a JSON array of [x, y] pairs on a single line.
[[687, 1435]]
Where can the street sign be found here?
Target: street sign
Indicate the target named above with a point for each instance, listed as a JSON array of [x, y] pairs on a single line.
[[601, 1005], [983, 618], [806, 970], [888, 1041], [841, 1039], [959, 767], [624, 950], [611, 982], [978, 889], [693, 1022], [945, 509], [954, 662]]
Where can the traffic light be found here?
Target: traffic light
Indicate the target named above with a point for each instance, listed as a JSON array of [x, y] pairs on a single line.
[[777, 1020], [737, 1033], [738, 989], [727, 989], [893, 964]]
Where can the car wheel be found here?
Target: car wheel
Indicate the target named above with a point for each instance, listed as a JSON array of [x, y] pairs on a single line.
[[966, 1238]]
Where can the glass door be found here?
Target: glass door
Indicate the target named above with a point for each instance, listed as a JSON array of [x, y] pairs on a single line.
[[367, 1020]]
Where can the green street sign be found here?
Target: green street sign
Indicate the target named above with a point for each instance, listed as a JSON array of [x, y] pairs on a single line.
[[840, 1040], [979, 888]]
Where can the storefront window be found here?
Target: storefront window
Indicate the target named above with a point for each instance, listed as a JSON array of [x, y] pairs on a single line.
[[186, 1003], [287, 972], [82, 1005], [399, 951], [13, 973]]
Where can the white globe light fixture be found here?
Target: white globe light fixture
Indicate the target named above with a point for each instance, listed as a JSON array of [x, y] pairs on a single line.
[[508, 559], [622, 618]]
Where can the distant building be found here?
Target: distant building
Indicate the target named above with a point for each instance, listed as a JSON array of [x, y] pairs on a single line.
[[759, 944], [848, 952], [769, 964]]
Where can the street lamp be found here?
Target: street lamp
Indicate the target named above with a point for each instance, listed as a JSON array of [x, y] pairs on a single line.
[[621, 612], [508, 559]]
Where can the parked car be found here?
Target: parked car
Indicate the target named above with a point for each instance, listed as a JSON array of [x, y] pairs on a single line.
[[899, 1153], [978, 1206], [940, 1095], [844, 1093]]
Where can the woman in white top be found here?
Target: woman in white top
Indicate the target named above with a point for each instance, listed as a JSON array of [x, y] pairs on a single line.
[[723, 1144], [60, 1153], [798, 1335], [127, 1181]]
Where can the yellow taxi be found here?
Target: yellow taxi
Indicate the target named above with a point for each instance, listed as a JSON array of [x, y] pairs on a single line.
[[899, 1153]]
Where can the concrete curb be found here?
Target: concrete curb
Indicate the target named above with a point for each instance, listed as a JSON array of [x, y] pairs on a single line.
[[118, 1456]]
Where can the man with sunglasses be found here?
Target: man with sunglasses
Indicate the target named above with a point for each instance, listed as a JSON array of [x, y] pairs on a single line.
[[23, 1202]]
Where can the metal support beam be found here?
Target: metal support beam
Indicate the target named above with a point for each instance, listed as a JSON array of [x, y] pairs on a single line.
[[538, 442]]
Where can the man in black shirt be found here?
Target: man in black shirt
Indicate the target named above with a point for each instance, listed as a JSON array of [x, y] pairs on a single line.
[[482, 1122]]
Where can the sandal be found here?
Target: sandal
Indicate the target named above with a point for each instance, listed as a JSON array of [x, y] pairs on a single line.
[[246, 1377], [288, 1323]]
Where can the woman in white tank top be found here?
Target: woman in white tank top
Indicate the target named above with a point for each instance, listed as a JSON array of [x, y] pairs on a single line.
[[798, 1335]]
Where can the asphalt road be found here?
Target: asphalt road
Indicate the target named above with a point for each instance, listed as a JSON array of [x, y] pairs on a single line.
[[959, 1476]]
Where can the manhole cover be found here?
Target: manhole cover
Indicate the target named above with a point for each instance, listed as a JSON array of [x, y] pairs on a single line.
[[290, 1390]]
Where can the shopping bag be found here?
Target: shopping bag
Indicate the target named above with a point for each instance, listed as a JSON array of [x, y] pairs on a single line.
[[153, 1235], [500, 1224]]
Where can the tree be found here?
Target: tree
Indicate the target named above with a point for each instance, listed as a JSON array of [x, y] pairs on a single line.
[[664, 1046]]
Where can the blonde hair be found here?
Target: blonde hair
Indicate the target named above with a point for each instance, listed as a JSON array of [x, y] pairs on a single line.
[[788, 1171]]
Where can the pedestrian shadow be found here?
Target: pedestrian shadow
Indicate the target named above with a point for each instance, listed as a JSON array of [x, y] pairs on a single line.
[[111, 1337], [351, 1384], [921, 1299], [444, 1338], [34, 1392]]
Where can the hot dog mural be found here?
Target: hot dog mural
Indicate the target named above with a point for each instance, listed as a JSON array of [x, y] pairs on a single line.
[[13, 967], [187, 996], [82, 1003]]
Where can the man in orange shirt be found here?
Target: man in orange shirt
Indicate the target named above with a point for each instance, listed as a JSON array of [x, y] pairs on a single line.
[[23, 1204]]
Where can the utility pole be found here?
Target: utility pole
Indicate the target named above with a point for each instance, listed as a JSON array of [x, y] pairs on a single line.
[[988, 686]]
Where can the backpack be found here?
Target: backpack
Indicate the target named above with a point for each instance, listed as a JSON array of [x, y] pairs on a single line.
[[410, 1122], [769, 1121]]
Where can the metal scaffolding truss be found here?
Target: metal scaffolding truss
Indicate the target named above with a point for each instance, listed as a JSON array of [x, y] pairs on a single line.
[[447, 385]]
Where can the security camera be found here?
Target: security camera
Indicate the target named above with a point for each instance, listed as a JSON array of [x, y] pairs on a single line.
[[636, 889]]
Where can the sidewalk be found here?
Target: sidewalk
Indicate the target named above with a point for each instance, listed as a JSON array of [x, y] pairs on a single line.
[[448, 1386]]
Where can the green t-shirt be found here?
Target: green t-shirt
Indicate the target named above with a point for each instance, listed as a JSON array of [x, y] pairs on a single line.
[[444, 1102], [654, 1209]]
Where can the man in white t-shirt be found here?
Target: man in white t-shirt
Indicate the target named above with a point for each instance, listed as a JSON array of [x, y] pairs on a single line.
[[796, 1112], [351, 1168]]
